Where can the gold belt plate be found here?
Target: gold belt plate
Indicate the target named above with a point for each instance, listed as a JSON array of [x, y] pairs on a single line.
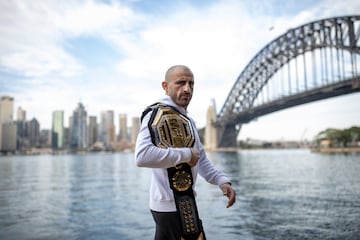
[[181, 181], [172, 129]]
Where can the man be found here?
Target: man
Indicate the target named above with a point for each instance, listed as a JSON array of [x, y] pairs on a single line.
[[171, 163]]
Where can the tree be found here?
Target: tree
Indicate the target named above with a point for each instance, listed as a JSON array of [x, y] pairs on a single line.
[[344, 138]]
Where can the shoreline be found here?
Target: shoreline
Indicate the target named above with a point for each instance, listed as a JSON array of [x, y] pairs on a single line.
[[336, 150], [65, 152]]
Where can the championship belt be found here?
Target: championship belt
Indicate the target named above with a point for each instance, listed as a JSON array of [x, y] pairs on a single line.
[[169, 128]]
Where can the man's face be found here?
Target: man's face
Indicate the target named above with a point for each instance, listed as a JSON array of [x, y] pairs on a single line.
[[180, 86]]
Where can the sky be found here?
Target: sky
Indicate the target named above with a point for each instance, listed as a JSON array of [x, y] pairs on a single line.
[[112, 55]]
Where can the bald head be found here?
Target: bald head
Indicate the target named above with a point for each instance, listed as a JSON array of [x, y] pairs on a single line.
[[172, 69], [179, 84]]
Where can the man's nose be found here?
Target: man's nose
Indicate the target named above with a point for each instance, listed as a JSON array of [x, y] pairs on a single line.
[[187, 87]]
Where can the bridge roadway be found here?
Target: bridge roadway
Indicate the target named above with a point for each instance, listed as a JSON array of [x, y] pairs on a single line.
[[328, 91]]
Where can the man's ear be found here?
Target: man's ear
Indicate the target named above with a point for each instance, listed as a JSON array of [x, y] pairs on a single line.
[[164, 85]]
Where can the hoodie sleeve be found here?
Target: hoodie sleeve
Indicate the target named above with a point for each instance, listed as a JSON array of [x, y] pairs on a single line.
[[208, 171], [149, 155], [205, 167]]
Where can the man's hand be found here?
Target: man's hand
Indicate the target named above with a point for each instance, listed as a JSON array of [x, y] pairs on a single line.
[[195, 155], [229, 192]]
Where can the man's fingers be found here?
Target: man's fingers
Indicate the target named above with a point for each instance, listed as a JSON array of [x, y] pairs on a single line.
[[195, 156], [231, 196]]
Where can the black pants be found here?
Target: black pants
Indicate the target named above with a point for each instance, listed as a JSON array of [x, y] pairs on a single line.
[[168, 225]]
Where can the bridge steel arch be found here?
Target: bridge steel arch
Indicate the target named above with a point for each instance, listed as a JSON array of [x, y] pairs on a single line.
[[320, 60]]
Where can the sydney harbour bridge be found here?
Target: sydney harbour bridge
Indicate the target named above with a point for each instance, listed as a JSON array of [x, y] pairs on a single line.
[[315, 61]]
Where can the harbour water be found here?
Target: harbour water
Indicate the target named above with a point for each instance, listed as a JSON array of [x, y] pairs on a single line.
[[282, 194]]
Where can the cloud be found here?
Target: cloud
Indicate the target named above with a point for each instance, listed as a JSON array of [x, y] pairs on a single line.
[[31, 44], [95, 18], [38, 61]]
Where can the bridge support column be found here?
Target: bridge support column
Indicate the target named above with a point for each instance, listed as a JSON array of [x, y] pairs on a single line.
[[228, 137]]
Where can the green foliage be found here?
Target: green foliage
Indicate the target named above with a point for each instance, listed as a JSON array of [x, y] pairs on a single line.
[[344, 137]]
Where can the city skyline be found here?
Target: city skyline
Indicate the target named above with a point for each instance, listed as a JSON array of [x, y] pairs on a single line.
[[121, 122], [66, 119], [113, 55], [83, 133]]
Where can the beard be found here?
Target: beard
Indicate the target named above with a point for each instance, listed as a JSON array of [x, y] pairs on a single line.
[[183, 100]]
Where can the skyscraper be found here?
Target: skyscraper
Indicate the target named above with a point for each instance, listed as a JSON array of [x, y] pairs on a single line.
[[123, 135], [6, 109], [57, 130], [79, 128], [7, 126], [107, 128], [93, 130], [33, 132], [21, 114], [135, 127], [8, 136], [22, 141]]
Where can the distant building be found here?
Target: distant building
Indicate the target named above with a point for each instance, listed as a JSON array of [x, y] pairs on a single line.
[[22, 142], [68, 133], [79, 128], [8, 127], [57, 130], [6, 109], [45, 138], [8, 132], [21, 133], [33, 132], [93, 130], [135, 127], [67, 138], [21, 114], [107, 128], [123, 134]]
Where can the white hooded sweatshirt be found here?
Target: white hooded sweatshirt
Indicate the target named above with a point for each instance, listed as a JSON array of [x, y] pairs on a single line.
[[159, 159]]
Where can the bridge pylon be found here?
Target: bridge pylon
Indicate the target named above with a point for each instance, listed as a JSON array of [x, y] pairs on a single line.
[[227, 135]]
